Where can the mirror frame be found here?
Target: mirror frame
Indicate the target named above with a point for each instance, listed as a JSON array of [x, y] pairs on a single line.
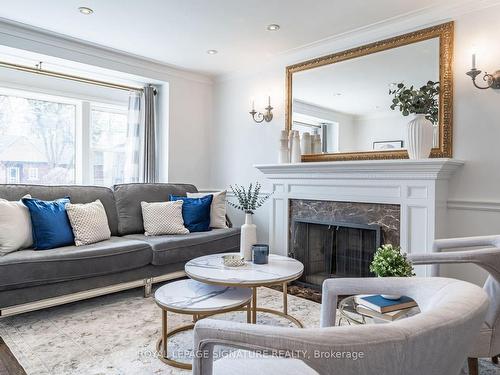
[[445, 33]]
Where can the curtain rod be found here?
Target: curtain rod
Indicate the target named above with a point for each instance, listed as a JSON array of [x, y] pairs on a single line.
[[39, 70]]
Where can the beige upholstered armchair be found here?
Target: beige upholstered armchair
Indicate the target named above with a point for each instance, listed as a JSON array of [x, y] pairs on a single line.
[[452, 312], [488, 342]]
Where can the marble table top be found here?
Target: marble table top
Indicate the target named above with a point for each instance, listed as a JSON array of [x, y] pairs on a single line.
[[210, 269], [191, 296]]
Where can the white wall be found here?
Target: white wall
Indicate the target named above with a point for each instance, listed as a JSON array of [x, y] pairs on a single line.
[[238, 142], [189, 99], [380, 127]]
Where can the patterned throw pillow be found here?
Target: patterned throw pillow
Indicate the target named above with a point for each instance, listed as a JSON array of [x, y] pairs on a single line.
[[89, 222], [163, 218]]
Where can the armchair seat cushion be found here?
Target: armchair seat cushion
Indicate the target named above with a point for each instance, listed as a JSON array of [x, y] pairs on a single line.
[[183, 247], [248, 363], [25, 268]]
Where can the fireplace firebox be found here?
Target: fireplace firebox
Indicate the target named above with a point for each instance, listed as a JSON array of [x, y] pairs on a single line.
[[333, 249]]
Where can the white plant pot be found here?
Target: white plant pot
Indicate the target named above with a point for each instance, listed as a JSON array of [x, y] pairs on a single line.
[[248, 237], [419, 137]]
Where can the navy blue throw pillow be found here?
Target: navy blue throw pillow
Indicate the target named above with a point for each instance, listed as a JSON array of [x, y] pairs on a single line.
[[195, 212], [50, 222]]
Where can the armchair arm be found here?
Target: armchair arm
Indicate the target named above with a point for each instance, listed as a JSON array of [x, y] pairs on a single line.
[[454, 243], [488, 258]]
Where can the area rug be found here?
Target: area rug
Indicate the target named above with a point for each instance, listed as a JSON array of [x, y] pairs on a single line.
[[116, 335]]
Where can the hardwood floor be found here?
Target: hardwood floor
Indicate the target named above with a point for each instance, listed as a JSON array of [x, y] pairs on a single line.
[[8, 363]]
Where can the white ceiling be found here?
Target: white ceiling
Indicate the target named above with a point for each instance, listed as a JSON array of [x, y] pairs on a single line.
[[360, 86], [179, 32]]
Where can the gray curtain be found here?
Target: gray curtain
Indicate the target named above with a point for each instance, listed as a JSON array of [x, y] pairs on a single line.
[[149, 170]]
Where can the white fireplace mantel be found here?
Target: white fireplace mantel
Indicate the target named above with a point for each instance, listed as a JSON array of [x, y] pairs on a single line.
[[419, 187]]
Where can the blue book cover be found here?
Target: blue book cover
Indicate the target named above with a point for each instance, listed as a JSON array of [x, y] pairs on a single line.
[[383, 305]]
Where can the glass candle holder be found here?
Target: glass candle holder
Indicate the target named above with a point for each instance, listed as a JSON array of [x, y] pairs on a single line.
[[260, 253]]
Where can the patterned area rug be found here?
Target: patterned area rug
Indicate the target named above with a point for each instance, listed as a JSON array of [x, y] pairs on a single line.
[[116, 334]]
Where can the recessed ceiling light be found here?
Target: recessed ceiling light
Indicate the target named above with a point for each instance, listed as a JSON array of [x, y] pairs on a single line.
[[272, 27], [85, 10], [212, 52]]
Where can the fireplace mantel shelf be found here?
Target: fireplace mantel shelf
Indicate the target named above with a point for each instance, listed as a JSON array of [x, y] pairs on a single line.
[[425, 169]]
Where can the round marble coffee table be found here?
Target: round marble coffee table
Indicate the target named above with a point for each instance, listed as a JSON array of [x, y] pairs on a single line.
[[280, 270], [200, 300]]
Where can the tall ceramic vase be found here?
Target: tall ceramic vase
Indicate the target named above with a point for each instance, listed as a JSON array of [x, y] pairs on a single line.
[[248, 237], [420, 137]]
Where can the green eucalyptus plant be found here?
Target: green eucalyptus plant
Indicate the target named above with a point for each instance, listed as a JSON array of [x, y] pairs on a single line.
[[390, 261], [418, 101], [249, 198]]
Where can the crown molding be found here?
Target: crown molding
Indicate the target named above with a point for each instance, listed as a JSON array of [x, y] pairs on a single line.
[[390, 27], [21, 36]]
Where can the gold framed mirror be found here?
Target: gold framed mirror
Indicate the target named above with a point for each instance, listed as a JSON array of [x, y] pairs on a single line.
[[342, 100]]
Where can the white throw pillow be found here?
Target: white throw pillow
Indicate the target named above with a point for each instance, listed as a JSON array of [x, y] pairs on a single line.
[[89, 222], [217, 209], [15, 226], [163, 218]]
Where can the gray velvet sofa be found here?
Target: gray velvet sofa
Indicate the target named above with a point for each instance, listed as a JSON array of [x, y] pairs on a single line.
[[34, 279]]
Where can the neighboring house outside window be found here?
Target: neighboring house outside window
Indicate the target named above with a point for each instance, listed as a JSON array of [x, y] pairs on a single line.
[[33, 173]]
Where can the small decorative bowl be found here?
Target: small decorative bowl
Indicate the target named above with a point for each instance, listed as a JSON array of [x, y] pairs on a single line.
[[233, 260]]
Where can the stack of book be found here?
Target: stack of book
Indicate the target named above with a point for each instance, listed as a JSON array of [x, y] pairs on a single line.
[[378, 307]]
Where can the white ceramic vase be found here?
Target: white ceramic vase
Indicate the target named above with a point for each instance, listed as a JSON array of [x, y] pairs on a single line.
[[296, 153], [248, 237], [419, 137]]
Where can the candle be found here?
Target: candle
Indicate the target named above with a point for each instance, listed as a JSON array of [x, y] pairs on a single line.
[[473, 61], [269, 100], [253, 105]]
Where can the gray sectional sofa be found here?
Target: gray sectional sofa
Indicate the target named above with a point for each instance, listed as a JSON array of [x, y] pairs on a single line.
[[34, 279]]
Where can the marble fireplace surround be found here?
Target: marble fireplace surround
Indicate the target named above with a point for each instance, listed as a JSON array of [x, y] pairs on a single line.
[[419, 187], [386, 216]]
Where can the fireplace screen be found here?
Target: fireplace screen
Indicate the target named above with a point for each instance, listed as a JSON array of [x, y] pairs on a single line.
[[333, 249]]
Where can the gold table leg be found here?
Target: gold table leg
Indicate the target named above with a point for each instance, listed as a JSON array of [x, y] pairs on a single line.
[[254, 305], [285, 298], [164, 332]]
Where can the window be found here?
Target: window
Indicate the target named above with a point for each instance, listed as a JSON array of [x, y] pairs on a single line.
[[13, 175], [37, 134], [56, 140], [108, 142], [33, 174]]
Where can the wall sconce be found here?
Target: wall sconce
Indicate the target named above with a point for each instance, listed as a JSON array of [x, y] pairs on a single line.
[[268, 115], [492, 80]]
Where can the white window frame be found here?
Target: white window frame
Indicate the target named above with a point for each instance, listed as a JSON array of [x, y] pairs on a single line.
[[83, 118], [32, 173]]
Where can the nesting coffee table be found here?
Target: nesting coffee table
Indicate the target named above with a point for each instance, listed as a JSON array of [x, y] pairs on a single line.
[[199, 300], [280, 270]]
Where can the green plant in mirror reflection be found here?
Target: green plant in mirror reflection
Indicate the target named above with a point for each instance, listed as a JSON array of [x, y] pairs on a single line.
[[411, 100]]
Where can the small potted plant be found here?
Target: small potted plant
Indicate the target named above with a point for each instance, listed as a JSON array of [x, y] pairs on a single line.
[[389, 261], [424, 104], [249, 199]]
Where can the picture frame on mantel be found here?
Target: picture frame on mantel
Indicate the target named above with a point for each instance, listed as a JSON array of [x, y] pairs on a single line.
[[443, 147]]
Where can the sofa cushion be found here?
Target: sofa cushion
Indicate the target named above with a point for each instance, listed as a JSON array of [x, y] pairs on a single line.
[[184, 247], [29, 267], [77, 194], [128, 199]]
